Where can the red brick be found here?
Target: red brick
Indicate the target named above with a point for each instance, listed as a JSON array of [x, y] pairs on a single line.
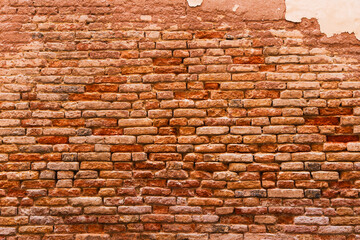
[[342, 138], [335, 111], [249, 60], [197, 95], [323, 121], [52, 140], [45, 105], [167, 61], [68, 122], [136, 70], [127, 148], [101, 88], [209, 35], [108, 131], [110, 79], [84, 97]]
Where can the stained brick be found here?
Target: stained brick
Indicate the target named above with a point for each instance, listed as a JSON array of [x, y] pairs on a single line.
[[342, 138], [323, 121]]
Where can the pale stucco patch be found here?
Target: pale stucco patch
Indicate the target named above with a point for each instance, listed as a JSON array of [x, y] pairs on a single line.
[[194, 3], [334, 16]]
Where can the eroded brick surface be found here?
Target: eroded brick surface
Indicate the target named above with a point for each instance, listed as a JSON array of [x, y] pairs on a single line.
[[153, 120]]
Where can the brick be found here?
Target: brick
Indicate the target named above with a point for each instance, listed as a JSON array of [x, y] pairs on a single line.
[[342, 156], [323, 175], [9, 122], [215, 77], [226, 236], [311, 156], [264, 112], [312, 193], [52, 140], [289, 103], [189, 113], [35, 229], [285, 193], [135, 88], [236, 85], [176, 35], [350, 120], [237, 68], [259, 139], [160, 113], [212, 130], [210, 148], [19, 140], [309, 138], [134, 122], [92, 156], [171, 45], [335, 229], [245, 130], [210, 166], [342, 138], [9, 96], [322, 121], [134, 210], [345, 220], [232, 157], [91, 236], [279, 129], [303, 85], [185, 209], [85, 201], [100, 210], [353, 147], [63, 166], [205, 201]]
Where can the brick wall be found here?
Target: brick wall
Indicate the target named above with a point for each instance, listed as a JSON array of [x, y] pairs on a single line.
[[153, 120]]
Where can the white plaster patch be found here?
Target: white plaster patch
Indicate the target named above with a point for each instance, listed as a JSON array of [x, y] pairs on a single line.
[[146, 17], [235, 7], [194, 3], [334, 16]]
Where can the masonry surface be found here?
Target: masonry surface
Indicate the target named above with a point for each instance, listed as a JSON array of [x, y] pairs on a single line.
[[154, 120]]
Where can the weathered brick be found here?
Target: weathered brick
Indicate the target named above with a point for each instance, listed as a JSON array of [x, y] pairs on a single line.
[[342, 156], [189, 113], [134, 122], [212, 130], [233, 157], [335, 229], [353, 147], [245, 130], [325, 175], [134, 210], [63, 166], [260, 139], [350, 120], [308, 156], [285, 193], [85, 201], [311, 220]]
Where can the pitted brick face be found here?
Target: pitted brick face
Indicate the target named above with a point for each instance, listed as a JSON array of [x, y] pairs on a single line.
[[157, 120]]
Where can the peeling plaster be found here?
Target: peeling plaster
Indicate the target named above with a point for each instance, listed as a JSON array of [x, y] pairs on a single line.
[[334, 16], [236, 6], [194, 3]]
